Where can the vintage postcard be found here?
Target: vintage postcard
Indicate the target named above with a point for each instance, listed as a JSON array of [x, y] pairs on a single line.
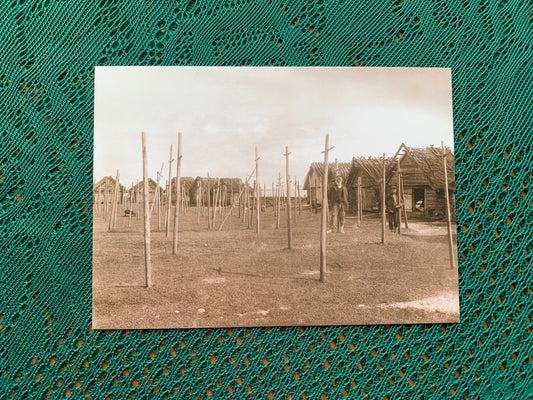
[[266, 196]]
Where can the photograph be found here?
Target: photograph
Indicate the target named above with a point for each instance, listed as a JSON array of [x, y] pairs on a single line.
[[273, 196]]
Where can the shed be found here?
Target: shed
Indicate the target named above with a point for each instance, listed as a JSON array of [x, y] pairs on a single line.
[[106, 187], [422, 171], [370, 172]]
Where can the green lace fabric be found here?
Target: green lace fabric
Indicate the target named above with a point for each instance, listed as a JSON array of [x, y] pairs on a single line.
[[47, 346]]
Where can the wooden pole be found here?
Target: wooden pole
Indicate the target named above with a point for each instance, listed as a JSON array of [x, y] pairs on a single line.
[[106, 199], [399, 199], [131, 205], [448, 211], [208, 202], [146, 208], [289, 227], [116, 202], [403, 202], [257, 194], [112, 220], [278, 202], [252, 205], [178, 188], [137, 197], [299, 201], [383, 219], [240, 199], [359, 202], [295, 200], [159, 208], [169, 192], [324, 214], [215, 206], [156, 192], [198, 192]]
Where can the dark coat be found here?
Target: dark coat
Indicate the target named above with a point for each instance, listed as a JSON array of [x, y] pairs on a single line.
[[334, 193]]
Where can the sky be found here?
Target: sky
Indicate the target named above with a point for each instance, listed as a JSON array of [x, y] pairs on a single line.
[[224, 113]]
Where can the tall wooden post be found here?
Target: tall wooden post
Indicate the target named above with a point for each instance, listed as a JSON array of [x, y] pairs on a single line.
[[257, 194], [178, 189], [402, 196], [240, 200], [198, 191], [400, 200], [146, 209], [112, 219], [169, 192], [383, 205], [158, 208], [359, 202], [288, 177], [448, 211], [295, 200], [278, 202], [106, 199], [324, 214], [137, 198], [299, 201], [215, 205], [131, 205], [208, 202]]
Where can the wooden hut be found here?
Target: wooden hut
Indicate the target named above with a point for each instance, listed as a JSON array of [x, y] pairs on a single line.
[[230, 187], [186, 184], [369, 172], [422, 171], [313, 179], [105, 188], [140, 186]]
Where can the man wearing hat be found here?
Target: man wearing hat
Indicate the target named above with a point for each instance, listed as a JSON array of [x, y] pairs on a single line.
[[393, 209], [338, 202]]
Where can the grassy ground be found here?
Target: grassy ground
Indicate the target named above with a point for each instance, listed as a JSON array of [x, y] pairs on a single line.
[[236, 277]]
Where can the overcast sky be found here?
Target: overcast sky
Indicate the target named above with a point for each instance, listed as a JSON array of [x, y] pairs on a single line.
[[225, 112]]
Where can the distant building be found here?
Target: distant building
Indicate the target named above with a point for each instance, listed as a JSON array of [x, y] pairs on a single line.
[[228, 186], [105, 189], [138, 190]]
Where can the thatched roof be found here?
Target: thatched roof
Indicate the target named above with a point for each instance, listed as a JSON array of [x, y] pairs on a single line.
[[110, 184], [227, 183], [318, 168], [186, 183], [430, 162], [151, 185], [371, 166]]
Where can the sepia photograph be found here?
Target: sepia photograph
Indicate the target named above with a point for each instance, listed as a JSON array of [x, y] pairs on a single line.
[[273, 196]]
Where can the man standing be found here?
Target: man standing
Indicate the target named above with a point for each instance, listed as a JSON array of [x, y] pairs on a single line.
[[393, 210], [338, 202]]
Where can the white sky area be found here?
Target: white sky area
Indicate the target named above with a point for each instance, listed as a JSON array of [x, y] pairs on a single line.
[[225, 112]]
